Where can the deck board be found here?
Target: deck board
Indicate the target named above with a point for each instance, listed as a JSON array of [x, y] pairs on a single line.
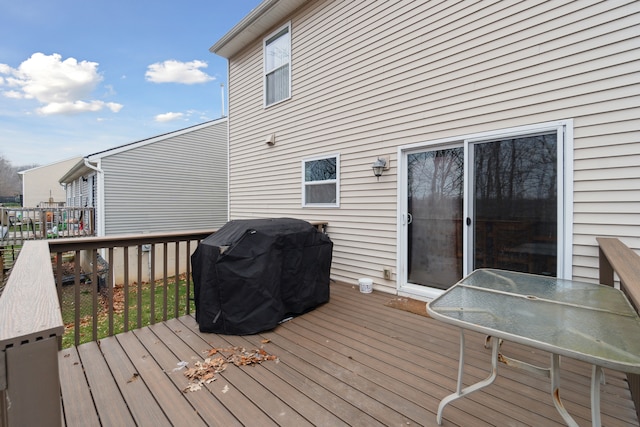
[[142, 404], [169, 397], [225, 390], [157, 339], [74, 390], [352, 361], [105, 395], [309, 408]]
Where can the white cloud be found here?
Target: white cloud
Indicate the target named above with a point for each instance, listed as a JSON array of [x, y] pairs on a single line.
[[13, 94], [62, 86], [77, 107], [172, 71], [167, 117]]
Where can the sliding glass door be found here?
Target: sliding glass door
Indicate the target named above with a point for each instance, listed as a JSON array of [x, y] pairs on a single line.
[[492, 202], [514, 204], [435, 189]]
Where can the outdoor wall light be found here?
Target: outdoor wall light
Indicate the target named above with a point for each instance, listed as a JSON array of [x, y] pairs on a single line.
[[378, 166]]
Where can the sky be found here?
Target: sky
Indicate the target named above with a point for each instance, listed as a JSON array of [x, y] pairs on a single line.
[[81, 76]]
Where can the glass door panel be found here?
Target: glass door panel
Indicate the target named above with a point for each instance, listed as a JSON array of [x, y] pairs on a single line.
[[435, 206], [515, 204]]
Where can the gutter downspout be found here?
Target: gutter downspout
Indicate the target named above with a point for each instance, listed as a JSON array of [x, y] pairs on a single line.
[[99, 204]]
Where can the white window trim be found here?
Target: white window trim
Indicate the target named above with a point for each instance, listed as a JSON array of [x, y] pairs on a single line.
[[264, 66], [328, 181]]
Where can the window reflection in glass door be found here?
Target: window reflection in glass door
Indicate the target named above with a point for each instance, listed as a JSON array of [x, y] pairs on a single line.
[[515, 200], [434, 240]]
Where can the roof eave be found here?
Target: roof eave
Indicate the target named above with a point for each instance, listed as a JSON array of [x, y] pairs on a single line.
[[78, 170], [254, 25]]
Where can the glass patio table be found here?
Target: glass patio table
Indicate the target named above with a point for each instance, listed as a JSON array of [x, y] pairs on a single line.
[[584, 321]]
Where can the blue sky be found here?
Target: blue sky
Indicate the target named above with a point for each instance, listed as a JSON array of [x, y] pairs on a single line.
[[78, 76]]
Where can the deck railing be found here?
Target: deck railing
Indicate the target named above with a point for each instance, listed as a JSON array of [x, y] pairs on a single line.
[[20, 224], [44, 285], [30, 329], [618, 260], [108, 285]]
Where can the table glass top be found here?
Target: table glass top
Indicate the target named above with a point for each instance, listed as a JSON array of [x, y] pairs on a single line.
[[586, 321]]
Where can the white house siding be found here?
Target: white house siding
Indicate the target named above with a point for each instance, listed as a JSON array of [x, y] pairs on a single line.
[[178, 183], [76, 193], [369, 76]]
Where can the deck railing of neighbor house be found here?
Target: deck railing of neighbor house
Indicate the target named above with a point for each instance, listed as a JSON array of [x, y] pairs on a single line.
[[18, 225], [617, 259]]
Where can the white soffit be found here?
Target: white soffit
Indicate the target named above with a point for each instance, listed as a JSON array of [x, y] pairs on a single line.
[[255, 25]]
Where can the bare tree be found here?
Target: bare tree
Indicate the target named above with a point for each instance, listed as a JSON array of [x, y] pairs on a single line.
[[10, 180]]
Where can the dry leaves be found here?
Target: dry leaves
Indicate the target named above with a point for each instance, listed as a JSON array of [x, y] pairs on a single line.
[[204, 372]]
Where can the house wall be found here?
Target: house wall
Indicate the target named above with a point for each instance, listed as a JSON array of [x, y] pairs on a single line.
[[41, 183], [368, 77], [144, 274], [79, 192], [178, 183]]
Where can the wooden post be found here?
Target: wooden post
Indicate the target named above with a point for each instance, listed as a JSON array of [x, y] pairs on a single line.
[[604, 268]]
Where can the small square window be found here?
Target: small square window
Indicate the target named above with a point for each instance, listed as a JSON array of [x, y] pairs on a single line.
[[277, 66], [320, 181]]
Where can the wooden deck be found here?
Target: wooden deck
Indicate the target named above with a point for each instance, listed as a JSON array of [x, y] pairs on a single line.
[[352, 361]]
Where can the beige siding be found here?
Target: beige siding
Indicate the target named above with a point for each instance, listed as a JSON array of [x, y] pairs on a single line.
[[41, 183], [368, 77]]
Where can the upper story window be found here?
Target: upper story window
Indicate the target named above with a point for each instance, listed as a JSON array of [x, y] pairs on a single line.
[[321, 181], [277, 66]]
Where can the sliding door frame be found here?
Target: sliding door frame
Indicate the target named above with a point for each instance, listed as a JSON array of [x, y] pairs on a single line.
[[564, 129]]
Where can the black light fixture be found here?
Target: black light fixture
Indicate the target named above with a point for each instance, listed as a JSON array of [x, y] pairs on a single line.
[[378, 166]]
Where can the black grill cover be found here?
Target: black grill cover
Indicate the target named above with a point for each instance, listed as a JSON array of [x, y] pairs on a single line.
[[251, 274]]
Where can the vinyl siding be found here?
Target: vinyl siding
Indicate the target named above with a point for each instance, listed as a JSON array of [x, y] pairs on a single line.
[[370, 76], [78, 193], [41, 183], [177, 183]]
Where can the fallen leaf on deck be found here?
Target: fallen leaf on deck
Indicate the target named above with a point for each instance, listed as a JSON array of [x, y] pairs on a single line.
[[204, 372], [192, 387]]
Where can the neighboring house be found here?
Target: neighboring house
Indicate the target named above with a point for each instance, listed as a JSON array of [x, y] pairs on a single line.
[[510, 130], [171, 182], [40, 186]]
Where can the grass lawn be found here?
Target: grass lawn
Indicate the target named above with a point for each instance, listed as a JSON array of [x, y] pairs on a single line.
[[120, 303]]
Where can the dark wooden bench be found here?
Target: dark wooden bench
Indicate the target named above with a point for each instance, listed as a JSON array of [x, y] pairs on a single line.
[[616, 257]]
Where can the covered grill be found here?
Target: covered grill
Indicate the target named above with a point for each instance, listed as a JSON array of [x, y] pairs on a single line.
[[252, 274]]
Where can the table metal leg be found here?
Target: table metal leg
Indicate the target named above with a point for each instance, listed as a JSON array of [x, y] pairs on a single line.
[[460, 392], [597, 376], [555, 391]]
